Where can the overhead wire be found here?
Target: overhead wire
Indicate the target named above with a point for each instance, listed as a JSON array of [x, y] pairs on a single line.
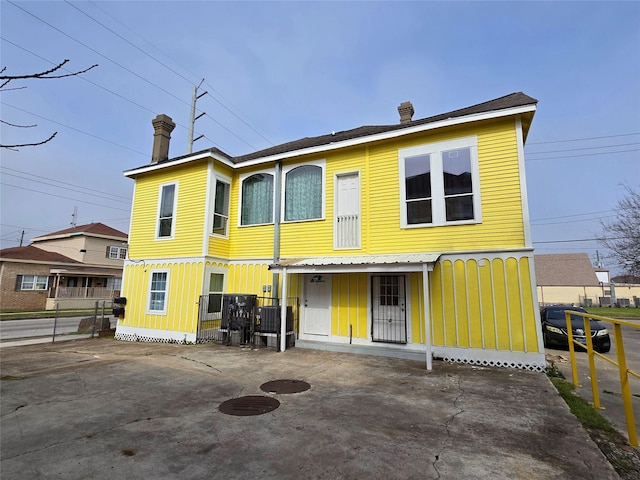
[[207, 83], [62, 196]]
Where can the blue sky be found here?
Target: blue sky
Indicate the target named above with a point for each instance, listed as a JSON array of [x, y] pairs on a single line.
[[276, 72]]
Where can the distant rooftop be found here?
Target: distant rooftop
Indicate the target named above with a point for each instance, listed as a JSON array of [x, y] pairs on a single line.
[[93, 229]]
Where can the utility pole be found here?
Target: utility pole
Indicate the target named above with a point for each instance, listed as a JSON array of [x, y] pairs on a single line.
[[74, 216], [193, 117], [21, 237]]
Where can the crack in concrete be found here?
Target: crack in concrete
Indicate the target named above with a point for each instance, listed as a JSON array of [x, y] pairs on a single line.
[[198, 361], [446, 425]]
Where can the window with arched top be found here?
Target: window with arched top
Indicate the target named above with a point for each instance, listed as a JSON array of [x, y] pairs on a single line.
[[257, 199], [303, 193]]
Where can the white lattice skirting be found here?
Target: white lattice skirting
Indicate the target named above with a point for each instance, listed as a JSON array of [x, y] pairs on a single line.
[[532, 361], [137, 334]]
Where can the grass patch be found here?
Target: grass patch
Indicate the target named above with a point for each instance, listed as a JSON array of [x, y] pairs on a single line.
[[623, 458], [49, 314], [615, 312], [583, 410]]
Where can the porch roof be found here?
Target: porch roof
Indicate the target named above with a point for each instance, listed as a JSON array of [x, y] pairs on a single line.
[[87, 272], [403, 262]]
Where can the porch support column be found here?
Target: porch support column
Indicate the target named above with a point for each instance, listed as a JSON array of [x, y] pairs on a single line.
[[283, 312], [427, 318]]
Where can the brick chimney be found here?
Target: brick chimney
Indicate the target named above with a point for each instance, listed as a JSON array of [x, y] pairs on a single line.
[[162, 126], [406, 112]]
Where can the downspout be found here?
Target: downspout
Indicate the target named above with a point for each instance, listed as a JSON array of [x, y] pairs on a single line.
[[276, 230]]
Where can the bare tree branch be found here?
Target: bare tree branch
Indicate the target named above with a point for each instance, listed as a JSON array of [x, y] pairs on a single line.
[[622, 234], [18, 126], [13, 147], [46, 74]]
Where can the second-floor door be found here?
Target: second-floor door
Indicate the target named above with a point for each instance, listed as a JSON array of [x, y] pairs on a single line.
[[347, 221]]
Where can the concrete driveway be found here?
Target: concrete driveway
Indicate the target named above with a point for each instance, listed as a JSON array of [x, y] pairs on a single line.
[[104, 409]]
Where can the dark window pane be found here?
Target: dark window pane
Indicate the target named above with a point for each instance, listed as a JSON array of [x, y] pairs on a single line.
[[165, 227], [459, 208], [417, 172], [456, 165], [419, 212], [166, 206]]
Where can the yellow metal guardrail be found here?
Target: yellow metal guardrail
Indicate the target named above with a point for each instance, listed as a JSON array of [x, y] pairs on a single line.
[[621, 364]]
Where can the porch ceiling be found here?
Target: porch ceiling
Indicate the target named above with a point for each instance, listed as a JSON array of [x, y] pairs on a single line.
[[407, 262]]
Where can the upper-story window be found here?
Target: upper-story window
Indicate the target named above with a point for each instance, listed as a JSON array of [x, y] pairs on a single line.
[[303, 197], [440, 183], [221, 208], [166, 210], [116, 253], [257, 199]]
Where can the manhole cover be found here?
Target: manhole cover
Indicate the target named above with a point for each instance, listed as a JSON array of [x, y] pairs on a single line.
[[249, 405], [285, 386]]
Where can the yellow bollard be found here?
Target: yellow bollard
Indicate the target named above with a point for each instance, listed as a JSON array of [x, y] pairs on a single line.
[[592, 364], [572, 353]]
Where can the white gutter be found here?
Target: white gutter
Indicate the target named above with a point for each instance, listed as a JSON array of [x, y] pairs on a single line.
[[345, 143]]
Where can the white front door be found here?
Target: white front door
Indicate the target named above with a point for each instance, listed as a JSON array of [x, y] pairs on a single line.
[[317, 305], [388, 309]]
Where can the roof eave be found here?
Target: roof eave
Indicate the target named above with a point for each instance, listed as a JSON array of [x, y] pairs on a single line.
[[392, 134]]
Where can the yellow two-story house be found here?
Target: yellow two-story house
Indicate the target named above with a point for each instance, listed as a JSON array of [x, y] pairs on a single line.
[[408, 240]]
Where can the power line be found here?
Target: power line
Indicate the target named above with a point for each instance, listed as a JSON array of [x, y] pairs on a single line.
[[192, 73], [69, 189], [73, 128], [583, 155], [125, 68], [585, 148], [574, 215], [583, 139], [91, 190], [582, 240], [61, 196]]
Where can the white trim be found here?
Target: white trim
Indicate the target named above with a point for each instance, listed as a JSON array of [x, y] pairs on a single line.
[[322, 163], [336, 199], [392, 134], [427, 317], [139, 334], [523, 183], [208, 208], [173, 163], [148, 310], [241, 179], [211, 206], [346, 143], [174, 211], [438, 209], [499, 358], [168, 260]]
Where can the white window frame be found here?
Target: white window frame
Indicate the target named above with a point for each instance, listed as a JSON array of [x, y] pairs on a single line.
[[434, 150], [35, 281], [242, 178], [117, 253], [166, 292], [174, 211], [206, 286], [322, 163], [227, 181]]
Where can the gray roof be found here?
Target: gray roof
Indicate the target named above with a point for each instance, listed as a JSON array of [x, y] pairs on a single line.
[[565, 269], [517, 99]]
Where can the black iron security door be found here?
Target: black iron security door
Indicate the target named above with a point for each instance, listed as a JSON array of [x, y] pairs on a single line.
[[389, 323]]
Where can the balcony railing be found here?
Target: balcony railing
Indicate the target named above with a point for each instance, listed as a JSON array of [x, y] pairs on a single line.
[[348, 231], [83, 292]]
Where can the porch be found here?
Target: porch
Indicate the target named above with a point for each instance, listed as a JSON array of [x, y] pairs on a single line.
[[81, 288]]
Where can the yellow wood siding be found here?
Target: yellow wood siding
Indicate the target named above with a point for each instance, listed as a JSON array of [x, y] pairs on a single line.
[[218, 245], [484, 303], [184, 289], [189, 217]]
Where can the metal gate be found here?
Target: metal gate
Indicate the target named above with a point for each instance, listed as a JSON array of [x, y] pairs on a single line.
[[388, 312]]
